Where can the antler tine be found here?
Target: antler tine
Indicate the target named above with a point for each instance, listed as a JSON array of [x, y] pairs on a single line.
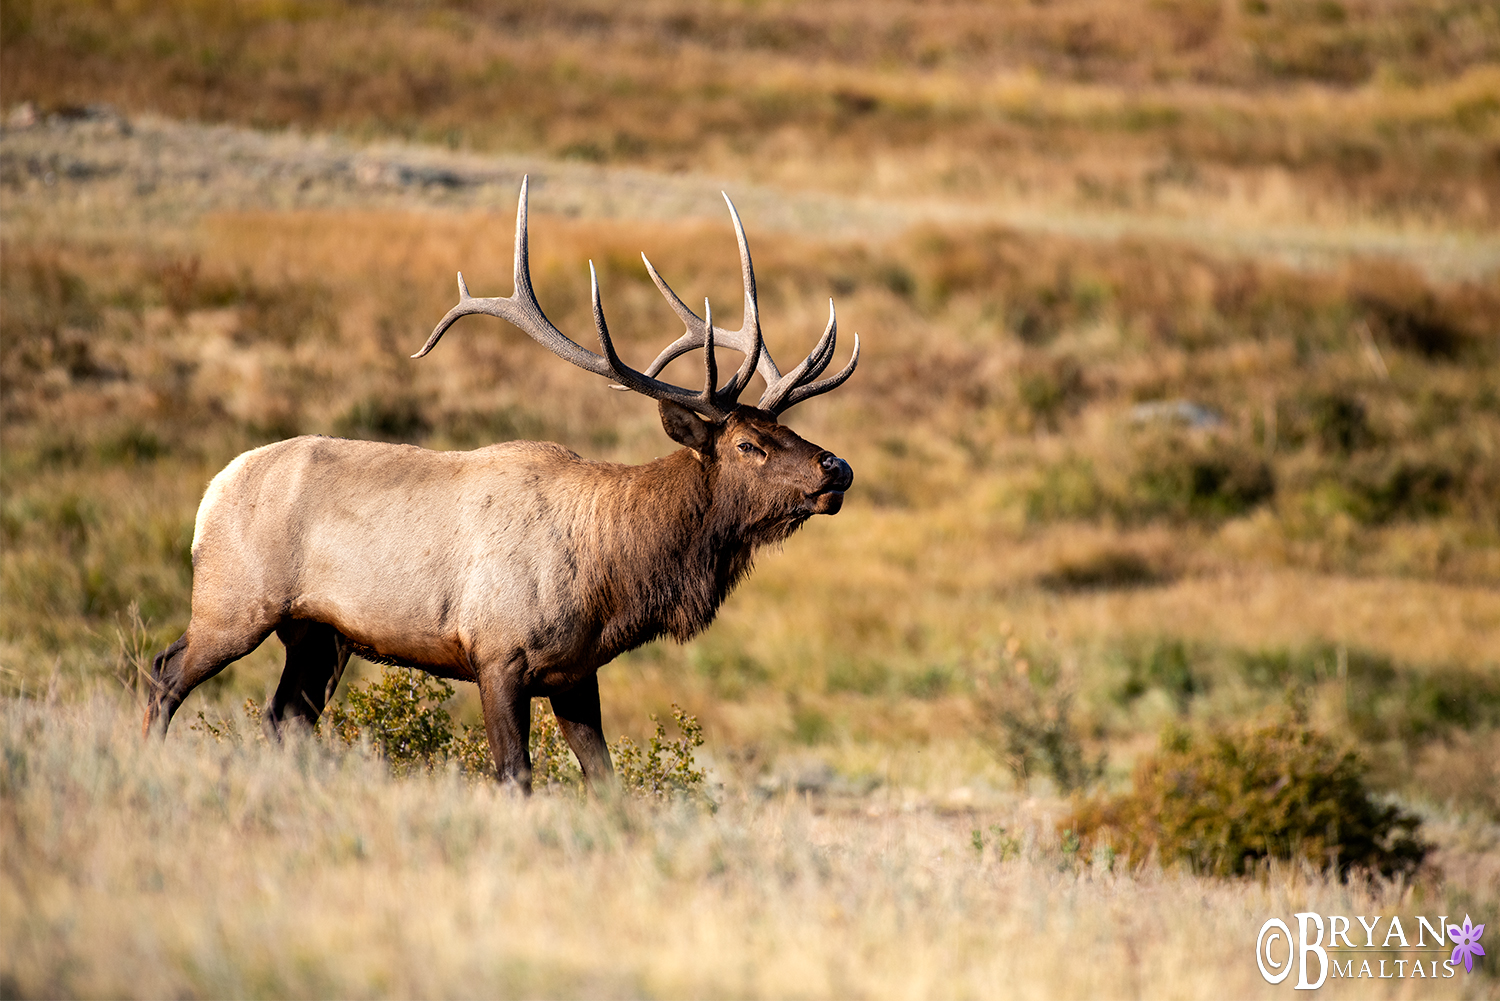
[[779, 392], [753, 360], [752, 296], [797, 386], [522, 310], [710, 363], [703, 403], [822, 353], [744, 340], [801, 393], [692, 338]]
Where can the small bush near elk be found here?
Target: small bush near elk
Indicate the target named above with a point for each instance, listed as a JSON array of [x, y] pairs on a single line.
[[403, 718], [663, 769], [1224, 802]]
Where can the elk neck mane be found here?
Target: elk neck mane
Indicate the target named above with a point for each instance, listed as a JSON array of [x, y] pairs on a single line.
[[674, 544]]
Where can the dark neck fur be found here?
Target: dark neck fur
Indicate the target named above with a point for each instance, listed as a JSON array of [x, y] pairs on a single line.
[[674, 548]]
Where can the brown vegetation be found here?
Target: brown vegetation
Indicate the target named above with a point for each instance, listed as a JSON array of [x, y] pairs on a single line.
[[149, 371], [1389, 106], [1117, 476], [198, 869], [1225, 804]]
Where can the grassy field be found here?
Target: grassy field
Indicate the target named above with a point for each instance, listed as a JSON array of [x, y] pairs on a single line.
[[1344, 108], [197, 869], [1179, 407]]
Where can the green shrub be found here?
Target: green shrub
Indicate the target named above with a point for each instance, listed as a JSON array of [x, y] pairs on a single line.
[[552, 763], [403, 718], [1164, 664], [663, 769], [1104, 570], [1066, 489], [1027, 720], [1004, 845], [399, 417], [470, 428], [1224, 802], [1179, 477], [1339, 423], [1182, 479], [51, 318], [1051, 389], [731, 673], [1404, 488], [227, 727]]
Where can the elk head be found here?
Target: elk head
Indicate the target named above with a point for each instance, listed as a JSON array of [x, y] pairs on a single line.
[[785, 478]]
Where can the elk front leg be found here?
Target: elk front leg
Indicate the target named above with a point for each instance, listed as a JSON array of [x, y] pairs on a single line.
[[507, 722], [577, 712]]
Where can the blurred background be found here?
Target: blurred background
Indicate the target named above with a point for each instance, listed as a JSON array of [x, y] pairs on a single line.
[[1179, 396]]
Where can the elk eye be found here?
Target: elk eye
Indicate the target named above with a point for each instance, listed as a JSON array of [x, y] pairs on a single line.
[[750, 449]]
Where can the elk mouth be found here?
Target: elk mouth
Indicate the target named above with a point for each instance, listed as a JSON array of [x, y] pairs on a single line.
[[826, 501], [829, 497]]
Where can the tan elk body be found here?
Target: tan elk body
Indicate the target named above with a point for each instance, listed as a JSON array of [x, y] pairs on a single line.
[[519, 566]]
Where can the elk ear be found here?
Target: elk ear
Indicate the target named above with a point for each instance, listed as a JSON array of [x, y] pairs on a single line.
[[685, 427]]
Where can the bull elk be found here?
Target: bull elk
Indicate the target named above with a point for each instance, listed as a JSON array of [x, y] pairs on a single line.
[[519, 566]]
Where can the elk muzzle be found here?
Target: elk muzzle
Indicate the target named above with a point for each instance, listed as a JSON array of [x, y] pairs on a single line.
[[837, 478]]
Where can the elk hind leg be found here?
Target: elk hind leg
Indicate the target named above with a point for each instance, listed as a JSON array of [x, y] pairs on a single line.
[[578, 716], [316, 655]]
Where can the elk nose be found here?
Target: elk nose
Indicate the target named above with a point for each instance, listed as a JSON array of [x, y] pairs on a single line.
[[840, 476]]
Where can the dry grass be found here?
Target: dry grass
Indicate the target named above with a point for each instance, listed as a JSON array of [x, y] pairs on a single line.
[[1148, 479], [1290, 111], [1013, 475], [195, 869]]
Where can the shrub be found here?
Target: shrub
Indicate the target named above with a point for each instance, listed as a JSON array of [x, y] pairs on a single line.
[[1406, 311], [1183, 479], [399, 418], [1340, 423], [51, 316], [1163, 664], [1405, 488], [1103, 570], [1066, 489], [1027, 720], [552, 763], [663, 769], [1222, 803], [403, 718], [227, 727], [1051, 389]]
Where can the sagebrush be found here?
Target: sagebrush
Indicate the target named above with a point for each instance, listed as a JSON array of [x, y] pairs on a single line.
[[1226, 801]]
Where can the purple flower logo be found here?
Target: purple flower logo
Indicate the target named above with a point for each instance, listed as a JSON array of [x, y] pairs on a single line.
[[1466, 943]]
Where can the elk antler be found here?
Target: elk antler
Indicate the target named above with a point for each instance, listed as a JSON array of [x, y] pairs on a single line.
[[797, 385], [522, 310], [782, 392], [743, 340], [716, 403]]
